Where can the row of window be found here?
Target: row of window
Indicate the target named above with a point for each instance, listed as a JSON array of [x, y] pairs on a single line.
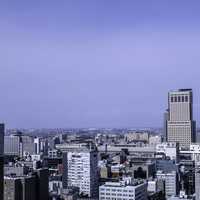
[[116, 190], [115, 194], [109, 198], [179, 99]]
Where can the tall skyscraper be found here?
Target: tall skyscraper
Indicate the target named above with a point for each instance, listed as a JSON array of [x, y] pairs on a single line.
[[166, 117], [80, 163], [2, 131], [180, 125]]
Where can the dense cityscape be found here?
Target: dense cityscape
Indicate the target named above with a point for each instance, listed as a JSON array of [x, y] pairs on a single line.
[[100, 100], [105, 164]]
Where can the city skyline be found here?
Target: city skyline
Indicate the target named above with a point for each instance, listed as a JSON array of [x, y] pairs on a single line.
[[96, 64]]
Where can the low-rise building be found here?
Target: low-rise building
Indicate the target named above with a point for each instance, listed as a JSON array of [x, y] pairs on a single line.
[[170, 149], [123, 191]]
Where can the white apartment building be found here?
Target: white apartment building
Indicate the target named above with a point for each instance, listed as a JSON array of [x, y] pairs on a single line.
[[123, 191], [80, 168]]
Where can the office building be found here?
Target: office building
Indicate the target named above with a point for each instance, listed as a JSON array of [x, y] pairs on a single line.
[[166, 165], [171, 182], [2, 132], [169, 149], [166, 118], [28, 184], [32, 186], [28, 145], [38, 145], [20, 188], [12, 188], [13, 145], [187, 176], [42, 184], [180, 124], [197, 184], [123, 191], [80, 165]]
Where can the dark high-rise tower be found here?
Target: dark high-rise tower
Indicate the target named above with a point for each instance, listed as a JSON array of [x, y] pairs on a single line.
[[166, 117], [2, 130]]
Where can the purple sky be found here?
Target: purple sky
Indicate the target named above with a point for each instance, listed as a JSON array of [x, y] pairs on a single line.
[[96, 63]]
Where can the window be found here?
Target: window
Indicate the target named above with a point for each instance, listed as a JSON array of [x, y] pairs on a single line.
[[179, 99], [183, 99], [175, 99], [172, 99], [186, 98]]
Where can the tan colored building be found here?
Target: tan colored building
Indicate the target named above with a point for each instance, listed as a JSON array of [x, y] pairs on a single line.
[[180, 124]]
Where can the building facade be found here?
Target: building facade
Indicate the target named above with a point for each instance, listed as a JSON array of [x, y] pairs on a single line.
[[171, 182], [180, 125], [197, 184], [13, 145], [2, 132], [19, 188], [80, 164], [123, 191], [170, 149]]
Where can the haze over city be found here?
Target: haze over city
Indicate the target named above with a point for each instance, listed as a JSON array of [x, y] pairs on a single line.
[[96, 63], [100, 100]]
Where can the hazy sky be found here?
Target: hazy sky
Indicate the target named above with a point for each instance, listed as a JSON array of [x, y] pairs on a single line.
[[96, 63]]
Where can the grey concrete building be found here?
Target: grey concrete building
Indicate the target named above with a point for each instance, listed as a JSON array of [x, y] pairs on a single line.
[[12, 188], [28, 145], [20, 188], [197, 184], [33, 186], [13, 145], [171, 182]]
